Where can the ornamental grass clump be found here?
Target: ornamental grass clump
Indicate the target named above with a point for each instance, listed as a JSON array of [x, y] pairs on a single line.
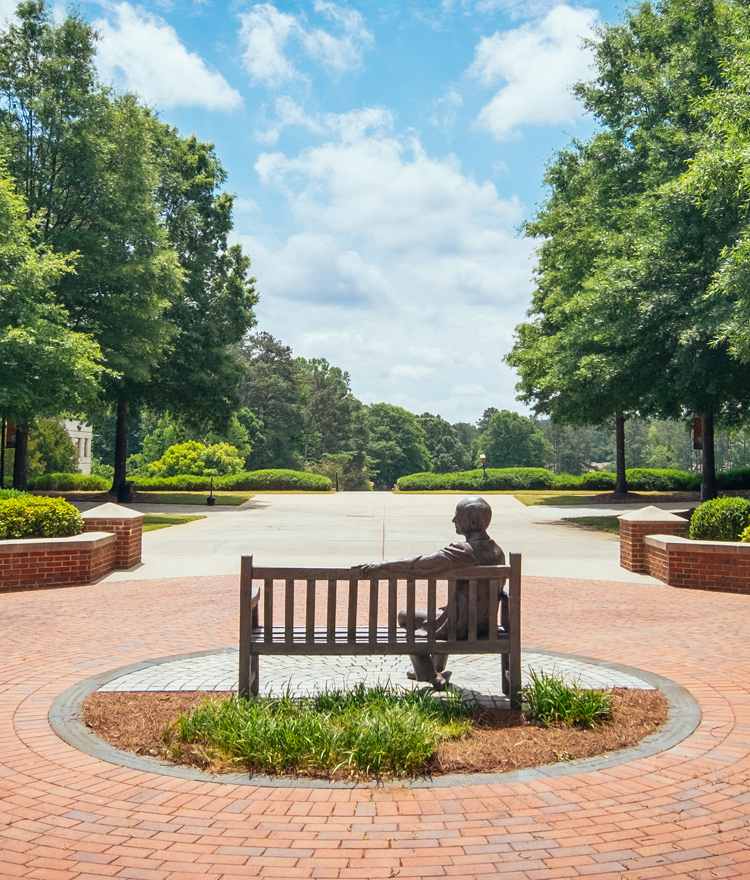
[[721, 519], [30, 517], [552, 701], [359, 733]]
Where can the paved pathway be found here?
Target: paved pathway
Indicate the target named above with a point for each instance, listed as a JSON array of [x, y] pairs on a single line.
[[65, 815]]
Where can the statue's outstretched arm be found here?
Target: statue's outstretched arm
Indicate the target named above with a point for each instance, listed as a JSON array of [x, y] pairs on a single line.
[[454, 556]]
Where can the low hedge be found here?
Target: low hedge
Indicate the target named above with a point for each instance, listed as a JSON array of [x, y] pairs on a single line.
[[739, 478], [270, 480], [70, 482], [721, 519], [31, 517], [10, 493], [639, 480], [496, 478]]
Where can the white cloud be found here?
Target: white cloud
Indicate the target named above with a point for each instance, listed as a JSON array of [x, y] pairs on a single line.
[[406, 269], [289, 114], [143, 54], [264, 34], [538, 63], [268, 35], [7, 9]]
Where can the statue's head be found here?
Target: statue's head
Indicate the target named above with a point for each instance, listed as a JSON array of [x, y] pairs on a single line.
[[473, 514]]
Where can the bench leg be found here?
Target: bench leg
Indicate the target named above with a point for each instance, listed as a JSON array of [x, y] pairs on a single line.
[[254, 675]]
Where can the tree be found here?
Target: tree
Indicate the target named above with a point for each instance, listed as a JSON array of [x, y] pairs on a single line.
[[51, 449], [512, 440], [396, 445], [332, 416], [621, 313], [44, 365], [447, 453], [83, 160], [272, 392]]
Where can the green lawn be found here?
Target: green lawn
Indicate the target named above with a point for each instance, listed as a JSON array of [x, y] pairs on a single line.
[[154, 521], [233, 499], [602, 523], [553, 497]]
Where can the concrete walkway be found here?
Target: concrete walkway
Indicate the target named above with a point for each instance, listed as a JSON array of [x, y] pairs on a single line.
[[354, 527], [65, 815]]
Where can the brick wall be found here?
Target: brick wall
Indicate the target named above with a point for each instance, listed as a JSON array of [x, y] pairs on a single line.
[[700, 565], [635, 526], [56, 562], [125, 524]]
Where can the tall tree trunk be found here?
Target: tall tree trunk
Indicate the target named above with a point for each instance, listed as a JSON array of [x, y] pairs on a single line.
[[121, 443], [20, 459], [708, 482], [621, 480]]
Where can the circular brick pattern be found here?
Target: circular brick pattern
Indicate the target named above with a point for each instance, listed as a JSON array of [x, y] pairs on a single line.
[[680, 813]]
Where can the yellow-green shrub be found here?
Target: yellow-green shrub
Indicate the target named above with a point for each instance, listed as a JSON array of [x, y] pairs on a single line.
[[31, 517]]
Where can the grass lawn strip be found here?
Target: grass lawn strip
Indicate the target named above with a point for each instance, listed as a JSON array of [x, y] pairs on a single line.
[[233, 499], [609, 524], [497, 740], [154, 521]]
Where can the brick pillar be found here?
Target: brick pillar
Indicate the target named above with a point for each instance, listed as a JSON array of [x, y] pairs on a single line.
[[125, 524], [636, 525]]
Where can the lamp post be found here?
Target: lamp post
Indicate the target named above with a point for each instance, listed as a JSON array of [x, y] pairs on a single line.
[[483, 460]]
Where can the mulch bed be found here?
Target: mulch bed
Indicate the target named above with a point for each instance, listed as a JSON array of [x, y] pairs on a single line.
[[502, 739]]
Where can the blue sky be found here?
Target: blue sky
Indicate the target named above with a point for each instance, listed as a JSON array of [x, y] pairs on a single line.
[[383, 155]]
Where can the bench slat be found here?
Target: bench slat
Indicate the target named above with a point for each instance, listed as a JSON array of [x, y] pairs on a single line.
[[268, 608], [310, 606], [411, 589], [331, 613], [352, 626], [373, 621], [392, 608]]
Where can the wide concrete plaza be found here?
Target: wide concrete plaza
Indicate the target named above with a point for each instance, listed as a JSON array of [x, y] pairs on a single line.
[[679, 812]]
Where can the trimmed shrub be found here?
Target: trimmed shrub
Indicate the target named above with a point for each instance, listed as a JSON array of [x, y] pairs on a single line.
[[69, 483], [31, 517], [599, 480], [497, 479], [739, 478], [745, 536], [721, 519], [10, 493], [269, 480], [662, 480]]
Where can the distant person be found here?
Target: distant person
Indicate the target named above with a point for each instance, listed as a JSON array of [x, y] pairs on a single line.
[[472, 517]]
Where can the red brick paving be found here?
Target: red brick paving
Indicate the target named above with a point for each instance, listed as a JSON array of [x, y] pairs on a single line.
[[66, 816]]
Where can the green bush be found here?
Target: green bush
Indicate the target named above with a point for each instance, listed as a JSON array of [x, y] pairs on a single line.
[[195, 458], [722, 519], [745, 536], [739, 478], [10, 493], [31, 517], [495, 479], [258, 481], [598, 480], [662, 480], [69, 483]]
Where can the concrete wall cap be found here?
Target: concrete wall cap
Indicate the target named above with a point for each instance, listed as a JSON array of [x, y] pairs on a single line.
[[94, 539], [651, 514], [111, 511], [664, 541]]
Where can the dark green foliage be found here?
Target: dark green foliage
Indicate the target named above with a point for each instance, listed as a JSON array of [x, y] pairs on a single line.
[[721, 519], [738, 478], [662, 480], [263, 480], [598, 480], [513, 440], [69, 482], [50, 448], [447, 453], [30, 517], [396, 445], [375, 731], [496, 479]]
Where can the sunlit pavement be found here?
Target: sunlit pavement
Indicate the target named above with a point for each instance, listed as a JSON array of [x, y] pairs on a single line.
[[681, 813]]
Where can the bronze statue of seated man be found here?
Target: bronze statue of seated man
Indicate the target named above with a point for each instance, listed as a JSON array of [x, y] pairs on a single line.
[[472, 517]]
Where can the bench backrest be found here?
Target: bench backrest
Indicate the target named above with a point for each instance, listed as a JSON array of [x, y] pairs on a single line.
[[326, 589]]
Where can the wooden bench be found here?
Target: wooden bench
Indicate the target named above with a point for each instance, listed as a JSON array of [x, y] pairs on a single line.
[[311, 622]]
